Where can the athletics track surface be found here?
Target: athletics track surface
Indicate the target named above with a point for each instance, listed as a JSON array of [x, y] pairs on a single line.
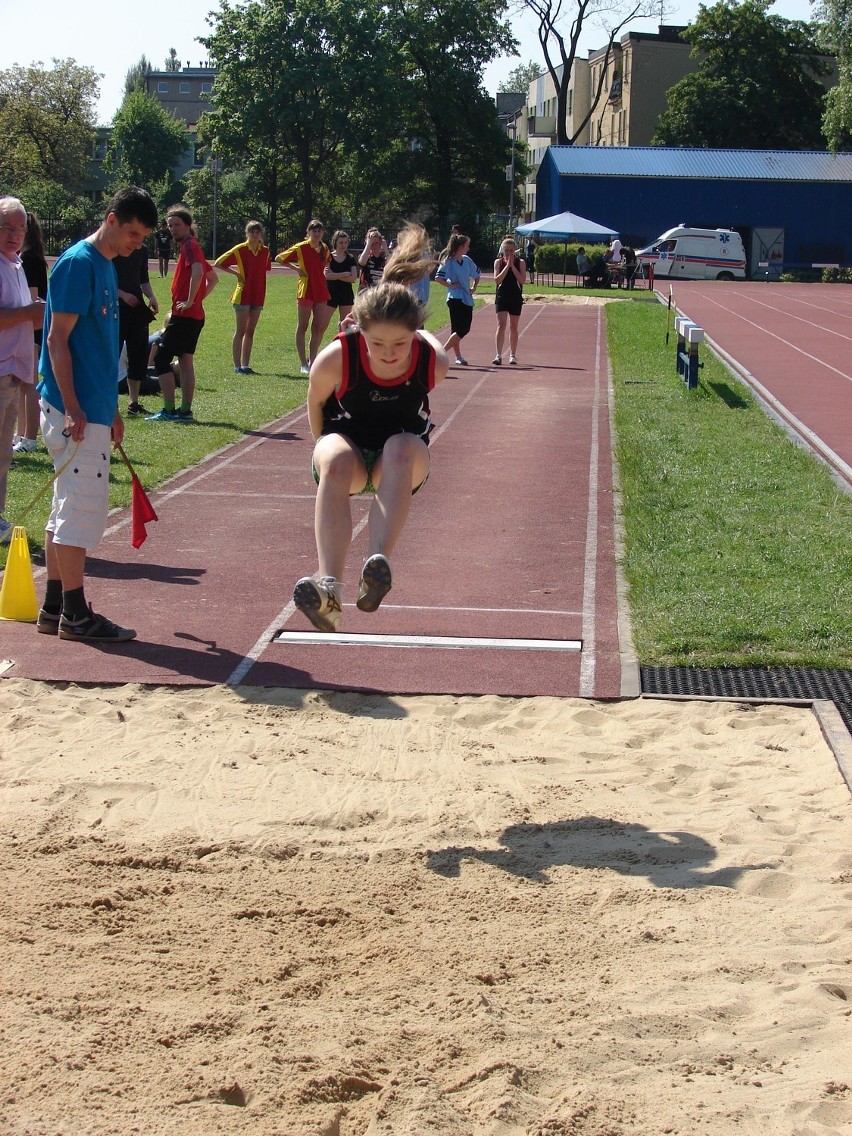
[[512, 539], [793, 344]]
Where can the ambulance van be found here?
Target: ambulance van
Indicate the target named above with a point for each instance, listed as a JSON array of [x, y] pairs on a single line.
[[696, 254]]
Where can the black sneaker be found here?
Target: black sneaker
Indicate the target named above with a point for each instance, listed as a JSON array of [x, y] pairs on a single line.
[[134, 408], [94, 628], [47, 623], [375, 583]]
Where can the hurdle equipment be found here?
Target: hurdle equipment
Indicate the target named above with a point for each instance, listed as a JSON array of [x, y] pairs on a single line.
[[689, 336]]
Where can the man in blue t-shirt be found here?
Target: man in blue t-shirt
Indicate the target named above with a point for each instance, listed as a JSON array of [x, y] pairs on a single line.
[[79, 410]]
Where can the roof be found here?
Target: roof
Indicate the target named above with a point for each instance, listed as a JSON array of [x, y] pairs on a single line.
[[670, 162]]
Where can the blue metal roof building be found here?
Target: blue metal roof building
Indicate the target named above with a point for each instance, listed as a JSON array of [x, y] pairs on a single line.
[[793, 208]]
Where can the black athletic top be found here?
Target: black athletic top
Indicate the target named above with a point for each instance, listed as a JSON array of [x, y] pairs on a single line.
[[371, 272], [340, 291], [509, 297], [369, 410]]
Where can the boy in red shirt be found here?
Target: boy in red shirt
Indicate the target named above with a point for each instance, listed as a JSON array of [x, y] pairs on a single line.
[[194, 279]]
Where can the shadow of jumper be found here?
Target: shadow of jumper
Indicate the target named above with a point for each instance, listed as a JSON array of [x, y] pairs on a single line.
[[667, 859]]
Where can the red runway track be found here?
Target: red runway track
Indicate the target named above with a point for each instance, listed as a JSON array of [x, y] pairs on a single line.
[[793, 344], [512, 539]]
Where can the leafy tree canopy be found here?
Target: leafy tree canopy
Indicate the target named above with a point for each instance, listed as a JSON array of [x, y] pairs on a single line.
[[520, 77], [147, 141], [47, 122], [134, 79], [834, 33], [172, 62], [757, 86]]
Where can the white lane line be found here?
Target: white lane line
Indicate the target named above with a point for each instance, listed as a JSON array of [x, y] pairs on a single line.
[[587, 662], [803, 319], [807, 354], [787, 420], [437, 642], [251, 657]]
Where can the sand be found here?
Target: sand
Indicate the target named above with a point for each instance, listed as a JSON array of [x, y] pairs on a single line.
[[304, 914]]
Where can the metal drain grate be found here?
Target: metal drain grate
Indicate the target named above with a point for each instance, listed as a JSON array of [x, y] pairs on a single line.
[[754, 682]]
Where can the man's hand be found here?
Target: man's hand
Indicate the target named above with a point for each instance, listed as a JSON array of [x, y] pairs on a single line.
[[75, 423], [117, 429]]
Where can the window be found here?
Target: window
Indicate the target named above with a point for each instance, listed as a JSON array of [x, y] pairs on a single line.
[[162, 88], [184, 88], [206, 88]]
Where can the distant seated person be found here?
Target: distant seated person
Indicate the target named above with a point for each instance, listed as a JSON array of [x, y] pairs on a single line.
[[598, 275], [582, 263]]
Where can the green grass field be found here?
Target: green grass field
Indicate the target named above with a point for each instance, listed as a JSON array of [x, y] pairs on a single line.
[[737, 542]]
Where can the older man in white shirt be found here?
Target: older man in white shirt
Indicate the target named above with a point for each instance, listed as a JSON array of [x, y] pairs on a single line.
[[19, 316]]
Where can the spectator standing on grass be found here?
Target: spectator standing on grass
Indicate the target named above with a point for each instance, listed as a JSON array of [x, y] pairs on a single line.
[[163, 242], [309, 258], [368, 409], [19, 314], [341, 272], [35, 270], [530, 258], [134, 317], [510, 274], [460, 276], [630, 265], [79, 411], [249, 262], [582, 263], [193, 280], [373, 259]]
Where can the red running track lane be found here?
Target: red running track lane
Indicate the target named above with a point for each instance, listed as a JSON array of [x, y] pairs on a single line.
[[793, 344], [513, 538]]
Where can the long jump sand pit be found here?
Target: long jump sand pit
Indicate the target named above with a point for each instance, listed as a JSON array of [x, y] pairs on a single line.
[[306, 914]]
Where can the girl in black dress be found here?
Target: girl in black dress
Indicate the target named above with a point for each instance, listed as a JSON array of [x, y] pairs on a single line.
[[341, 272], [510, 274]]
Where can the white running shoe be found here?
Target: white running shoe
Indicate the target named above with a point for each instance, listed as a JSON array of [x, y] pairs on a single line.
[[460, 362], [320, 601], [25, 446], [513, 359], [497, 361], [305, 369]]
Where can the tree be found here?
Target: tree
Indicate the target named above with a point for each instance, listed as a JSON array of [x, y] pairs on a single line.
[[560, 53], [147, 142], [301, 85], [47, 122], [134, 79], [459, 162], [520, 77], [834, 35], [172, 62], [757, 85]]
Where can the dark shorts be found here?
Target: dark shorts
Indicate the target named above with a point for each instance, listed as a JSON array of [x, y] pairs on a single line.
[[340, 295], [180, 337], [461, 317], [133, 333], [513, 307]]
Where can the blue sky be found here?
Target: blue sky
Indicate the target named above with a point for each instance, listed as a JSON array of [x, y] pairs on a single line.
[[113, 44]]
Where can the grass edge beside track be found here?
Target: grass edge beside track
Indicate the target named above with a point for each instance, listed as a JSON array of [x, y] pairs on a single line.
[[736, 540]]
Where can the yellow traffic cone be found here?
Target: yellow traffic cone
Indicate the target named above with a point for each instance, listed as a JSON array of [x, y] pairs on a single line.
[[18, 595]]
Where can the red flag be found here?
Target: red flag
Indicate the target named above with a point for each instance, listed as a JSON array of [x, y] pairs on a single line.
[[142, 511]]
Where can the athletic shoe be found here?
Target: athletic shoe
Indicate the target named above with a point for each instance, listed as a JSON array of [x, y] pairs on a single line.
[[247, 371], [375, 583], [47, 623], [184, 414], [25, 446], [5, 530], [513, 360], [497, 361], [136, 408], [461, 362], [94, 628], [320, 601], [305, 369], [163, 416]]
